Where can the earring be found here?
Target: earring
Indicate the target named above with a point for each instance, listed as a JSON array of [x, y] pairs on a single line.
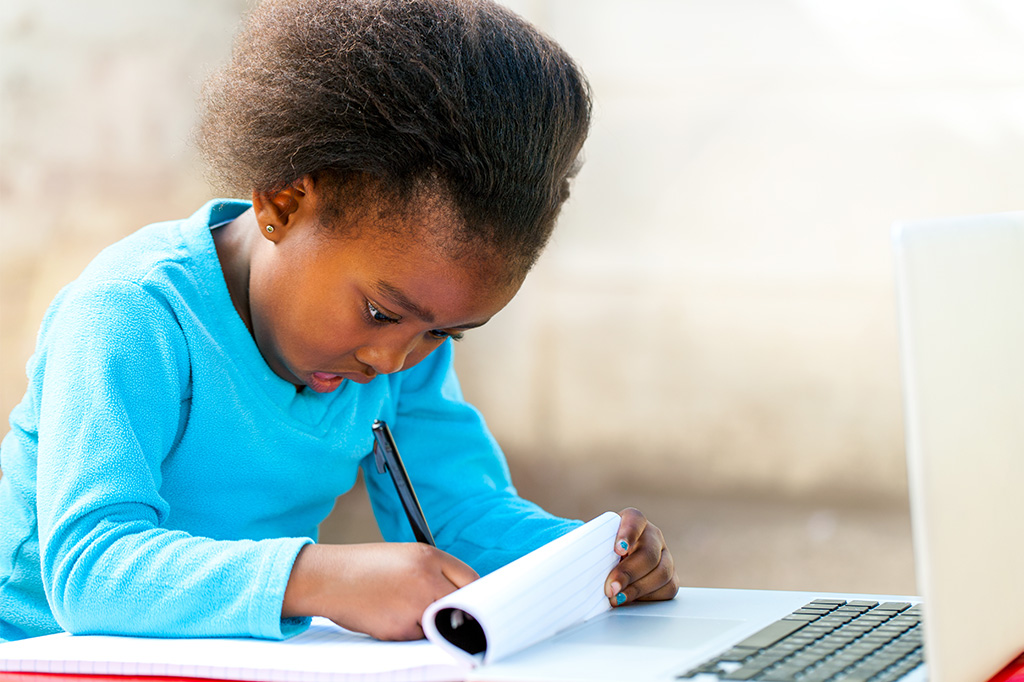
[[270, 228]]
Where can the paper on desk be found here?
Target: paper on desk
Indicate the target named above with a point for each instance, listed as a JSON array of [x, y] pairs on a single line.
[[554, 587], [324, 653]]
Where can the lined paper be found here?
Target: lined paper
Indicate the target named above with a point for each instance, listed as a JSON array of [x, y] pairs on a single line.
[[324, 653]]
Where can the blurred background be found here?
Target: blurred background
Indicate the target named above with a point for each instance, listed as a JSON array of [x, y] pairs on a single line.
[[711, 335]]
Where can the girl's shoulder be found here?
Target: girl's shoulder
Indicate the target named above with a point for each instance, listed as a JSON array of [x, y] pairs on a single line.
[[167, 270], [167, 254]]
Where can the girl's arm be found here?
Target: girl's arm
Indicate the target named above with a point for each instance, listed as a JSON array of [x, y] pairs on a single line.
[[113, 401]]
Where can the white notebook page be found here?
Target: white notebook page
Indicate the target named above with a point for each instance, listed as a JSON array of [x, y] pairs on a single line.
[[557, 586]]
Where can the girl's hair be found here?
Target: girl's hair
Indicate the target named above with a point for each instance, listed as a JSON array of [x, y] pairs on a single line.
[[459, 102]]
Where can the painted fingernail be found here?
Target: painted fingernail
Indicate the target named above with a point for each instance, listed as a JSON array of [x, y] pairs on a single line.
[[619, 598], [624, 545]]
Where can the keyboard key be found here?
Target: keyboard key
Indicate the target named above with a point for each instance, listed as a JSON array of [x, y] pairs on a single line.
[[828, 670], [735, 654], [840, 639], [770, 635], [897, 672], [848, 657], [816, 631], [805, 617], [876, 618]]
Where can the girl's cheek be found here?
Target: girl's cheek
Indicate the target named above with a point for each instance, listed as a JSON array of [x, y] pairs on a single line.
[[417, 356]]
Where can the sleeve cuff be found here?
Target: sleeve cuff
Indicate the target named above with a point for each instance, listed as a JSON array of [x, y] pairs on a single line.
[[271, 579], [294, 626]]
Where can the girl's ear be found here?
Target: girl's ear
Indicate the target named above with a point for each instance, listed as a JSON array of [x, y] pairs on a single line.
[[277, 210]]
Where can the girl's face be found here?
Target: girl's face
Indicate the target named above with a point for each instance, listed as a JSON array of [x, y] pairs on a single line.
[[325, 309]]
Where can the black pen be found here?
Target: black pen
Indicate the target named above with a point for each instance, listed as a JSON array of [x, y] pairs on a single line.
[[385, 452]]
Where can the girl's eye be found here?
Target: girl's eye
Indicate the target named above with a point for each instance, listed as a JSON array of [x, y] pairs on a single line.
[[441, 335], [375, 314]]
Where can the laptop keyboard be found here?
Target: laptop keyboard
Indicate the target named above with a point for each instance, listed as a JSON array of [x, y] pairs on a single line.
[[828, 640]]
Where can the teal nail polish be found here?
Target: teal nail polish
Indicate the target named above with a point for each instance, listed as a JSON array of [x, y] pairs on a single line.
[[619, 598], [623, 544]]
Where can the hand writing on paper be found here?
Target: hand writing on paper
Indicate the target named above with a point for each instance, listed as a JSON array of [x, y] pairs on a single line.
[[381, 589], [646, 571]]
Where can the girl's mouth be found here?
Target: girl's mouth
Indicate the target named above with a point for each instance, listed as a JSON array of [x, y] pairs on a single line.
[[324, 382]]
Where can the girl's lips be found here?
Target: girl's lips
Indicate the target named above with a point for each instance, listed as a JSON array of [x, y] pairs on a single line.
[[324, 382]]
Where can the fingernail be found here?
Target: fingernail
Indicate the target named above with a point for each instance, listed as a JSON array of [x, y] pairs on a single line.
[[624, 545], [619, 598]]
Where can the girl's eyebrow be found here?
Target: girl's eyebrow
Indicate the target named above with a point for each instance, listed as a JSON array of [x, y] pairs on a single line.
[[398, 296]]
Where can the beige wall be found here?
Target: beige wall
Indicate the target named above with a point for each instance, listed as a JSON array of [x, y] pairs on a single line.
[[716, 309]]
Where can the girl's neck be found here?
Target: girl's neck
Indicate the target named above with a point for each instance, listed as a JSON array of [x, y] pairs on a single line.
[[234, 243]]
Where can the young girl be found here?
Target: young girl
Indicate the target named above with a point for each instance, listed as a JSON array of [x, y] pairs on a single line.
[[203, 392]]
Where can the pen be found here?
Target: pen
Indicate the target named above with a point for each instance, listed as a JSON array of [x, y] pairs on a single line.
[[385, 452]]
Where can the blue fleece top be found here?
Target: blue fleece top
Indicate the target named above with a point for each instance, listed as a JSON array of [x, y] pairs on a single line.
[[159, 478]]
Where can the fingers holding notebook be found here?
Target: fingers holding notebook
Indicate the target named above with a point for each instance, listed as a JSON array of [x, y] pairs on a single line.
[[646, 571]]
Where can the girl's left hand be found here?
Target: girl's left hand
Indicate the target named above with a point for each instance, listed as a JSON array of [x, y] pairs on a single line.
[[646, 571]]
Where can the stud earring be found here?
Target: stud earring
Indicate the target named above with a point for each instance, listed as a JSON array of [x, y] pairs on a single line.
[[270, 228]]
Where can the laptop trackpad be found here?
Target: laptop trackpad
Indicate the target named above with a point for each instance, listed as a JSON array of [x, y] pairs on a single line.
[[675, 632]]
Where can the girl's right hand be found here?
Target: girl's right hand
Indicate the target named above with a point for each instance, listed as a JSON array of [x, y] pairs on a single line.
[[381, 588]]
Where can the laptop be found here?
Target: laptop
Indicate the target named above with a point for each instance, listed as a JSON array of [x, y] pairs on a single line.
[[960, 287]]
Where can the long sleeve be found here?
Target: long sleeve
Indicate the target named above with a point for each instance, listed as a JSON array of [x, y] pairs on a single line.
[[114, 404], [459, 473]]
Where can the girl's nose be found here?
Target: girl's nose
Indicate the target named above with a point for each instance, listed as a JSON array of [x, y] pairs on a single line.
[[383, 358]]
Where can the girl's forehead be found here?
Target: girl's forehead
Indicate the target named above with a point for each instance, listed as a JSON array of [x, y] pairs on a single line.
[[428, 231], [428, 277]]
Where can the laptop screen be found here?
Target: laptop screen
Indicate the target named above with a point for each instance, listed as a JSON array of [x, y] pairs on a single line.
[[960, 285]]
